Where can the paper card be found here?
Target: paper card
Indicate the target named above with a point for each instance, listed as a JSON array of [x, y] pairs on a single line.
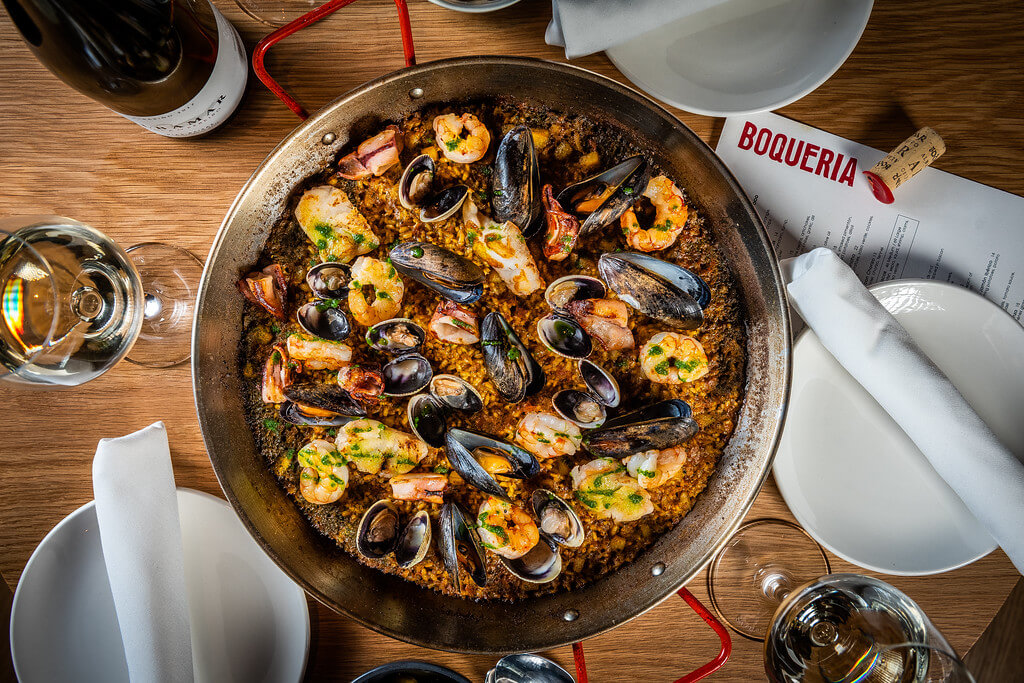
[[808, 188]]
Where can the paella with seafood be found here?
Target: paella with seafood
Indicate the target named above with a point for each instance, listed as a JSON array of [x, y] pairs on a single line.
[[492, 349]]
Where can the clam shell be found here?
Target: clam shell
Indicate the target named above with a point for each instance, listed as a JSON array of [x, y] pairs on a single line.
[[542, 564], [378, 530], [414, 542], [321, 319], [396, 336], [406, 375], [564, 336], [427, 420], [329, 280], [456, 393], [570, 288], [557, 519]]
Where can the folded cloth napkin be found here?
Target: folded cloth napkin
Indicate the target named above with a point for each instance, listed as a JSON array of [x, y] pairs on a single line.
[[137, 513], [588, 26], [879, 353]]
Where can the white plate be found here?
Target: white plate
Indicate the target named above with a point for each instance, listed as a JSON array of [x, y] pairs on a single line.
[[744, 56], [474, 6], [854, 480], [249, 621]]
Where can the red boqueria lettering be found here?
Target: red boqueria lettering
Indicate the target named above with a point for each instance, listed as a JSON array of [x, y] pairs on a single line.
[[803, 155]]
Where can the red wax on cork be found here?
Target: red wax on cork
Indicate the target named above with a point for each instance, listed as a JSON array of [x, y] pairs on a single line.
[[900, 165]]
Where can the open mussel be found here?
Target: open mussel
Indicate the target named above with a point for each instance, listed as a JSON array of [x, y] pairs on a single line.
[[460, 547], [477, 458], [656, 288], [453, 276], [543, 563], [564, 336], [512, 369], [587, 409], [308, 416], [565, 290], [406, 375], [396, 336], [427, 419], [515, 182], [557, 519], [656, 427], [323, 319], [325, 397], [416, 191], [381, 532], [603, 198], [329, 280], [456, 393]]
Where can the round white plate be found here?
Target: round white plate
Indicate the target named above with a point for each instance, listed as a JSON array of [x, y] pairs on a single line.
[[853, 478], [249, 620], [744, 56], [474, 6]]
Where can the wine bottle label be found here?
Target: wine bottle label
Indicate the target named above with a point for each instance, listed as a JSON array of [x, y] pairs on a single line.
[[217, 100]]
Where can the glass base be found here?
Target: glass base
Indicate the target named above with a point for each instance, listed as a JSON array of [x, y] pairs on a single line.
[[277, 13], [757, 568], [170, 279]]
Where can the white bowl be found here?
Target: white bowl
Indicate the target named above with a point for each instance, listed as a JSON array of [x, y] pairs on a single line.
[[744, 56], [475, 6]]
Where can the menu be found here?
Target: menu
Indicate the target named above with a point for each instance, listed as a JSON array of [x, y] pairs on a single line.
[[808, 187]]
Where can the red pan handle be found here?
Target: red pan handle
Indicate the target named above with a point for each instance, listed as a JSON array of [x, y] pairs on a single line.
[[308, 19]]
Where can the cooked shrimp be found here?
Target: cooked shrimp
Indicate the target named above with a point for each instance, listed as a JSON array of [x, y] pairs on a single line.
[[562, 227], [548, 436], [277, 375], [504, 248], [324, 476], [654, 468], [419, 486], [362, 382], [673, 358], [373, 156], [318, 354], [267, 288], [607, 320], [372, 446], [506, 529], [454, 324], [669, 217], [375, 291], [607, 491], [334, 225], [462, 139]]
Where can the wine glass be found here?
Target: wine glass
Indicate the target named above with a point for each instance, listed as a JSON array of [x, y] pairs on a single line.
[[74, 303], [771, 582], [277, 12]]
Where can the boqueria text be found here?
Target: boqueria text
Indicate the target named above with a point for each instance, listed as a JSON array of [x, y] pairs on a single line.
[[804, 155]]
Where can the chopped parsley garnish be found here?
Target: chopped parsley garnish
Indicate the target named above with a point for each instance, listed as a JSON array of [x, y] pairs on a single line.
[[513, 353], [451, 145], [323, 229], [635, 498], [488, 342], [275, 328], [383, 295], [417, 252], [441, 469], [271, 424], [628, 190], [321, 244], [333, 431], [358, 238], [661, 368], [498, 193], [647, 473], [655, 351], [486, 170], [496, 530], [324, 304]]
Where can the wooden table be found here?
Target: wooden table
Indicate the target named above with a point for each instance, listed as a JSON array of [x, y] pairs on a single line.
[[952, 66]]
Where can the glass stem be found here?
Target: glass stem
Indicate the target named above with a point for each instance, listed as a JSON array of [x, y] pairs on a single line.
[[775, 583]]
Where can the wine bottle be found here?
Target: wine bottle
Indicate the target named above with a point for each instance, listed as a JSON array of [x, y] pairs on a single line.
[[175, 67]]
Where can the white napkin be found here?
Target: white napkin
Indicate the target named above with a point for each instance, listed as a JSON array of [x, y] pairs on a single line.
[[878, 352], [588, 26], [137, 512]]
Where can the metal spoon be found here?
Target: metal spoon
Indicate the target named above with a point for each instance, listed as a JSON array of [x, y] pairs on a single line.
[[529, 668]]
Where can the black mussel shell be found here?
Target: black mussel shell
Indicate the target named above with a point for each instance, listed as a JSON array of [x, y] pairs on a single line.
[[295, 414], [417, 182], [564, 336], [515, 182], [456, 393], [329, 397], [565, 290], [508, 362], [427, 419], [600, 383], [414, 542], [396, 336], [323, 319], [673, 407], [542, 564], [453, 276], [579, 407], [378, 530], [622, 440], [462, 461], [443, 204], [656, 288], [406, 375], [460, 547], [628, 178], [524, 463], [329, 280], [557, 519]]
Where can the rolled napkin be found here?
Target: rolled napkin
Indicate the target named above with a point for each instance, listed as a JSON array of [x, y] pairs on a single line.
[[137, 513], [588, 26], [880, 354]]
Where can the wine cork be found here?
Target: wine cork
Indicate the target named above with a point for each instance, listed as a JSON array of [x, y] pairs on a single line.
[[903, 163]]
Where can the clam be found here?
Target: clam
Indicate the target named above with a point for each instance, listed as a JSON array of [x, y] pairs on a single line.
[[600, 383], [512, 369], [565, 290], [656, 288], [323, 319], [329, 280], [542, 564], [396, 336], [453, 276], [460, 547], [406, 375], [325, 397], [656, 427], [427, 419], [443, 204], [416, 191], [515, 182], [307, 416], [378, 530], [603, 198], [564, 336], [586, 409], [456, 393], [414, 541], [557, 519]]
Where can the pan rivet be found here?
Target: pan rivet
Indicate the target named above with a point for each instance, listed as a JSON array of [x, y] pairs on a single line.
[[416, 93], [328, 138], [570, 615], [658, 569]]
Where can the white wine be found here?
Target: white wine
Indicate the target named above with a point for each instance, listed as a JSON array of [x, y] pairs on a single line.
[[175, 67]]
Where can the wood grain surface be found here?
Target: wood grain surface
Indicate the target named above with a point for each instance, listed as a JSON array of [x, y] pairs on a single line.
[[951, 65]]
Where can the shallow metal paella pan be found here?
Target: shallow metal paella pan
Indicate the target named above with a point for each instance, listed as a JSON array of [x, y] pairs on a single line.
[[386, 603]]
